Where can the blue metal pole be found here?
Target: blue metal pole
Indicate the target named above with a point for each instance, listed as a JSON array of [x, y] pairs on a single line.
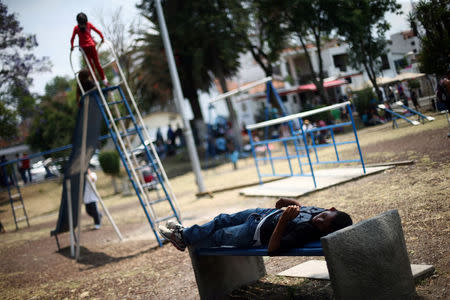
[[270, 158], [254, 154], [356, 137], [313, 137], [307, 153], [289, 160], [334, 143]]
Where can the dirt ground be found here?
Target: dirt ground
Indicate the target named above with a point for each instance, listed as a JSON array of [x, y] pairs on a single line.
[[32, 268]]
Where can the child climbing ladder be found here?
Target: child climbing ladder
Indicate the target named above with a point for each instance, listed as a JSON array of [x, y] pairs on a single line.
[[87, 43]]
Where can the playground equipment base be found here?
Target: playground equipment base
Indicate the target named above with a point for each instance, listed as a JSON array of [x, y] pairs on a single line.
[[317, 269], [298, 186]]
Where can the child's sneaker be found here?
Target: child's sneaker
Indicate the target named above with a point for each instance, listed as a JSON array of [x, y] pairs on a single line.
[[174, 236], [173, 225], [97, 226], [105, 82]]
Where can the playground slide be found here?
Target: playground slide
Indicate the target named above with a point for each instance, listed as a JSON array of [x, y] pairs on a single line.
[[74, 167]]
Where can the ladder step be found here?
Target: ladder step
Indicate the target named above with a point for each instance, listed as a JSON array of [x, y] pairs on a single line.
[[21, 219], [15, 196], [123, 118], [164, 218], [115, 102], [18, 206], [157, 201], [128, 133], [150, 184]]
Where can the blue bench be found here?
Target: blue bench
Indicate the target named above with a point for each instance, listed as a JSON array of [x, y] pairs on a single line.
[[310, 249], [220, 270]]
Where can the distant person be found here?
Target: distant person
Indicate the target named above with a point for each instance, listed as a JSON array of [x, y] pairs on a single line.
[[20, 169], [159, 137], [171, 149], [443, 94], [414, 100], [26, 166], [273, 228], [87, 43], [86, 82], [179, 135], [2, 228], [91, 199]]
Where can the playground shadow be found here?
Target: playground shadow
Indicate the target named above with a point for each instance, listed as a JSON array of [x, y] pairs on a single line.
[[94, 260], [305, 289]]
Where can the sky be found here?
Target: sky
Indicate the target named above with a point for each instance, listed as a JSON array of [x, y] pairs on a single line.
[[53, 20]]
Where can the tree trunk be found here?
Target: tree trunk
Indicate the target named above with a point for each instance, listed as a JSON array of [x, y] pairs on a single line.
[[114, 184], [233, 116], [317, 83]]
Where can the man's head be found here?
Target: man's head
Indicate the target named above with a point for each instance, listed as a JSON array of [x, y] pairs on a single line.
[[331, 220]]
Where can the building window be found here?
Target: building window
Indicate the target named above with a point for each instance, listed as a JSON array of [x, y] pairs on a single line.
[[244, 107], [384, 62], [340, 62], [415, 50], [413, 43]]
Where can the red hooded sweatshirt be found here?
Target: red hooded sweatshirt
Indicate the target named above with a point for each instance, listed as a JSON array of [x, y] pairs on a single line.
[[84, 36]]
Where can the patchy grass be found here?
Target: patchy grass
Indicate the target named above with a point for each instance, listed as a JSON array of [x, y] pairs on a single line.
[[138, 269]]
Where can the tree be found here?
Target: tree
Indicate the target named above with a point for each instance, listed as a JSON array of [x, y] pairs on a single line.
[[110, 164], [267, 35], [17, 63], [430, 21], [54, 118], [312, 20], [363, 25], [207, 38]]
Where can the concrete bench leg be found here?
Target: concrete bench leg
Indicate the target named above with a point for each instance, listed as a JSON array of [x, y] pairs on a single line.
[[218, 275]]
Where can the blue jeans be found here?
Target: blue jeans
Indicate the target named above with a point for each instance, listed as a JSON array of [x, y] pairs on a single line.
[[227, 230]]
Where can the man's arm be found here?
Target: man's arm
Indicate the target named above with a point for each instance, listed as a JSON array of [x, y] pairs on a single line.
[[275, 239], [284, 202]]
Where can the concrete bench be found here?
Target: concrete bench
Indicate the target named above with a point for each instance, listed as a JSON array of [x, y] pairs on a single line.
[[368, 258]]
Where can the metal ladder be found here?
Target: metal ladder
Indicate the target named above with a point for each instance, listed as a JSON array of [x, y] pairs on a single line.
[[153, 205], [16, 200]]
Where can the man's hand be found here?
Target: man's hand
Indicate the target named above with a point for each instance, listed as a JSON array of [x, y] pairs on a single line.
[[284, 202], [289, 214], [275, 239]]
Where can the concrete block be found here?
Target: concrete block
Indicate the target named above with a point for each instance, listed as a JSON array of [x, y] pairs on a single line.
[[369, 260], [218, 275], [317, 269]]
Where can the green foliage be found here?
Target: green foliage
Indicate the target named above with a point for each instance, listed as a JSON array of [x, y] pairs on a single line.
[[54, 118], [208, 42], [413, 84], [324, 116], [430, 21], [110, 162], [311, 21], [362, 100], [266, 34], [16, 65], [8, 122]]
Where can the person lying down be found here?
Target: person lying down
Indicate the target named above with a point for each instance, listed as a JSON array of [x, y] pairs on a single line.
[[275, 228]]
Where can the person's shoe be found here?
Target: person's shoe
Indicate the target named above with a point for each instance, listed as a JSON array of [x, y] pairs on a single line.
[[173, 225], [105, 82], [97, 227], [174, 236]]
